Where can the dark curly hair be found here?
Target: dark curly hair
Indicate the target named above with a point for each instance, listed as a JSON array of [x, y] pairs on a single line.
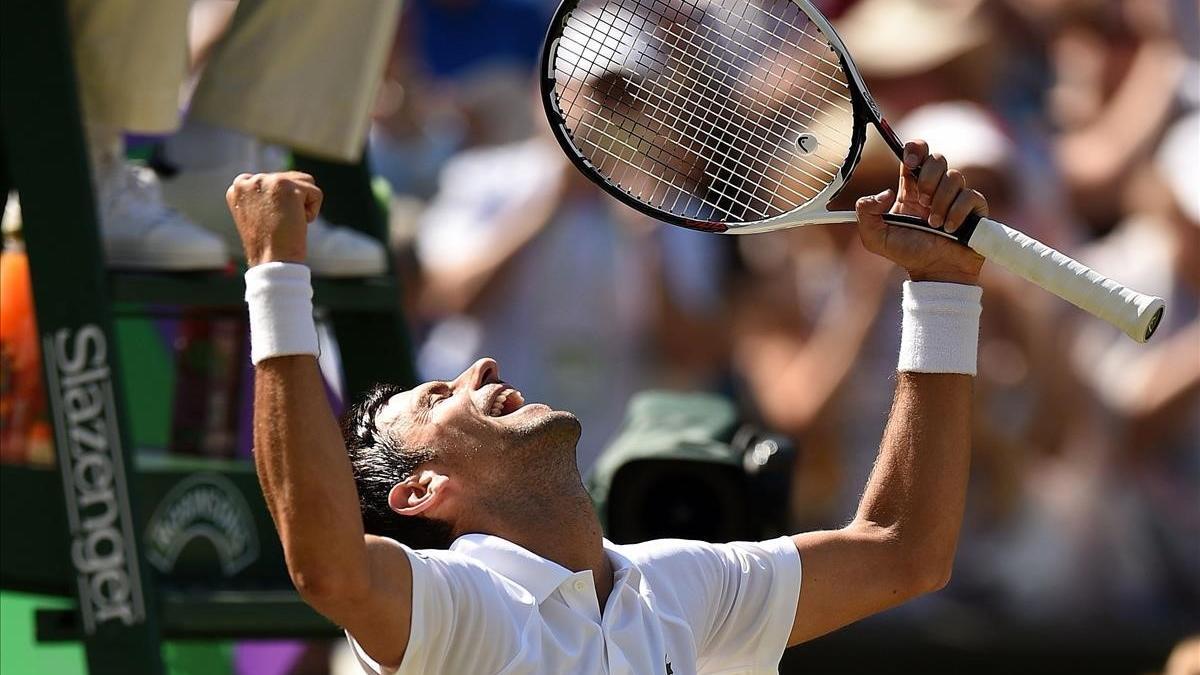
[[379, 461]]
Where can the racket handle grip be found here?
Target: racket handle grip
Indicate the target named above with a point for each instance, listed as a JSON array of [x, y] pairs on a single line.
[[1134, 313]]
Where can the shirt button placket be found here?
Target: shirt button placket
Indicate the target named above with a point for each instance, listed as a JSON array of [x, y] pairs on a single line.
[[580, 595]]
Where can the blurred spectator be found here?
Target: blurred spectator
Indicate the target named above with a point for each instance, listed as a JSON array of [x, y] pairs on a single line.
[[525, 261], [1185, 658], [944, 51], [458, 78], [1115, 82], [1053, 490], [802, 314], [415, 130], [1157, 249], [304, 79], [967, 51], [1149, 395], [487, 34]]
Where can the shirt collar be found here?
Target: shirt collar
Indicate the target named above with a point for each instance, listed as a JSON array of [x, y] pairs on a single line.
[[529, 570], [623, 568]]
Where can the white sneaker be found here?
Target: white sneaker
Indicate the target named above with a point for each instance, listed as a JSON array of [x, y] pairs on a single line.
[[342, 252], [198, 164], [141, 232], [207, 159]]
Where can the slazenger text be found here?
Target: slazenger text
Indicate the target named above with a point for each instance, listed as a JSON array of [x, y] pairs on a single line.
[[94, 479]]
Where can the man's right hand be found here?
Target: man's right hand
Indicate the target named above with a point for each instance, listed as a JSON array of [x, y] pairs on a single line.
[[941, 196], [272, 212]]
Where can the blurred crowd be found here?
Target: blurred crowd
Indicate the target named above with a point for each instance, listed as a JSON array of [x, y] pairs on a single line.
[[1077, 118]]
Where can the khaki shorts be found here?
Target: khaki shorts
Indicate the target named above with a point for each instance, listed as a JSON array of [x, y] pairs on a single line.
[[298, 74]]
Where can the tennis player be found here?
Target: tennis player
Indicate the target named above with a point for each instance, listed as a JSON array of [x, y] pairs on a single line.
[[446, 527]]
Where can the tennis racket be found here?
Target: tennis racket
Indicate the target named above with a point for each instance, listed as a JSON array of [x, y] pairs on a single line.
[[742, 116]]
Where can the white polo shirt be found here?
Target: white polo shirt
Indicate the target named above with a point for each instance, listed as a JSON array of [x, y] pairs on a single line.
[[677, 607]]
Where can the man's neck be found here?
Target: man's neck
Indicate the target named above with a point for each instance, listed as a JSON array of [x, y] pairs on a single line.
[[563, 528]]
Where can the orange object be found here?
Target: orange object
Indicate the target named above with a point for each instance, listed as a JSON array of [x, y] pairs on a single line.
[[22, 399]]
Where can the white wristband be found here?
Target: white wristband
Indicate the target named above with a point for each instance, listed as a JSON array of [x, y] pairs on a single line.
[[279, 296], [940, 331]]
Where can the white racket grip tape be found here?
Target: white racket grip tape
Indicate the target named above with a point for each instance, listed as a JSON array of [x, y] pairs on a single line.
[[1134, 313]]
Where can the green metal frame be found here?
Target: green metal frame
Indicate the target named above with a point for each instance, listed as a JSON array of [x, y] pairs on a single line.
[[46, 155], [101, 561]]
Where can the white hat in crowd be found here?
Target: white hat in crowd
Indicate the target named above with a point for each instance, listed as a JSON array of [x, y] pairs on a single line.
[[1178, 160], [962, 131], [896, 38]]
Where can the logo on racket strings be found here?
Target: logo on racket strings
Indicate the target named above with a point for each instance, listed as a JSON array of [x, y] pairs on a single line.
[[807, 143]]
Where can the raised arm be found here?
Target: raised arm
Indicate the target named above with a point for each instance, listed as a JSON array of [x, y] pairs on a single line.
[[902, 540], [361, 582]]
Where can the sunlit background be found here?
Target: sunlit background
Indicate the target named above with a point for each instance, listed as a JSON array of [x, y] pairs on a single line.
[[1077, 118]]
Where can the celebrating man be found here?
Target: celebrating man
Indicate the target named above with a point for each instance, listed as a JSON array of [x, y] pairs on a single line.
[[528, 584]]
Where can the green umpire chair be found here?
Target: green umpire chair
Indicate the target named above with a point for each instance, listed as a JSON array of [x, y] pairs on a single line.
[[147, 549]]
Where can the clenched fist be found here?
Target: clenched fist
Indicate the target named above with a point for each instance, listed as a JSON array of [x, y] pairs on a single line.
[[942, 198], [272, 212]]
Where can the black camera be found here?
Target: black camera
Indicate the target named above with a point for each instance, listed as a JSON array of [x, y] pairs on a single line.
[[687, 466]]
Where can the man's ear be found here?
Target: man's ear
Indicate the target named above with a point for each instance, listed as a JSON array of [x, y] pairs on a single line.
[[417, 493]]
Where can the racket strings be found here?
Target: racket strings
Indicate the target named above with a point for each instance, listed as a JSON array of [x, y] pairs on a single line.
[[618, 129], [591, 55], [671, 156], [671, 125], [709, 87], [781, 40], [781, 104], [608, 25], [733, 119], [721, 189], [699, 110]]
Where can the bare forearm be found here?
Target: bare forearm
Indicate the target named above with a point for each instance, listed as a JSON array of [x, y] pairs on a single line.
[[902, 540], [1095, 157], [917, 490], [361, 583], [794, 380], [306, 478], [456, 288], [901, 544], [1169, 390], [823, 366]]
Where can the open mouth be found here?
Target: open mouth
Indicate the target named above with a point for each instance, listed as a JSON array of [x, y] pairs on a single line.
[[505, 402]]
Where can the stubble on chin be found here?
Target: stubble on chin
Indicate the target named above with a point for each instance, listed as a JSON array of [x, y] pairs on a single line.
[[554, 430], [541, 452]]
